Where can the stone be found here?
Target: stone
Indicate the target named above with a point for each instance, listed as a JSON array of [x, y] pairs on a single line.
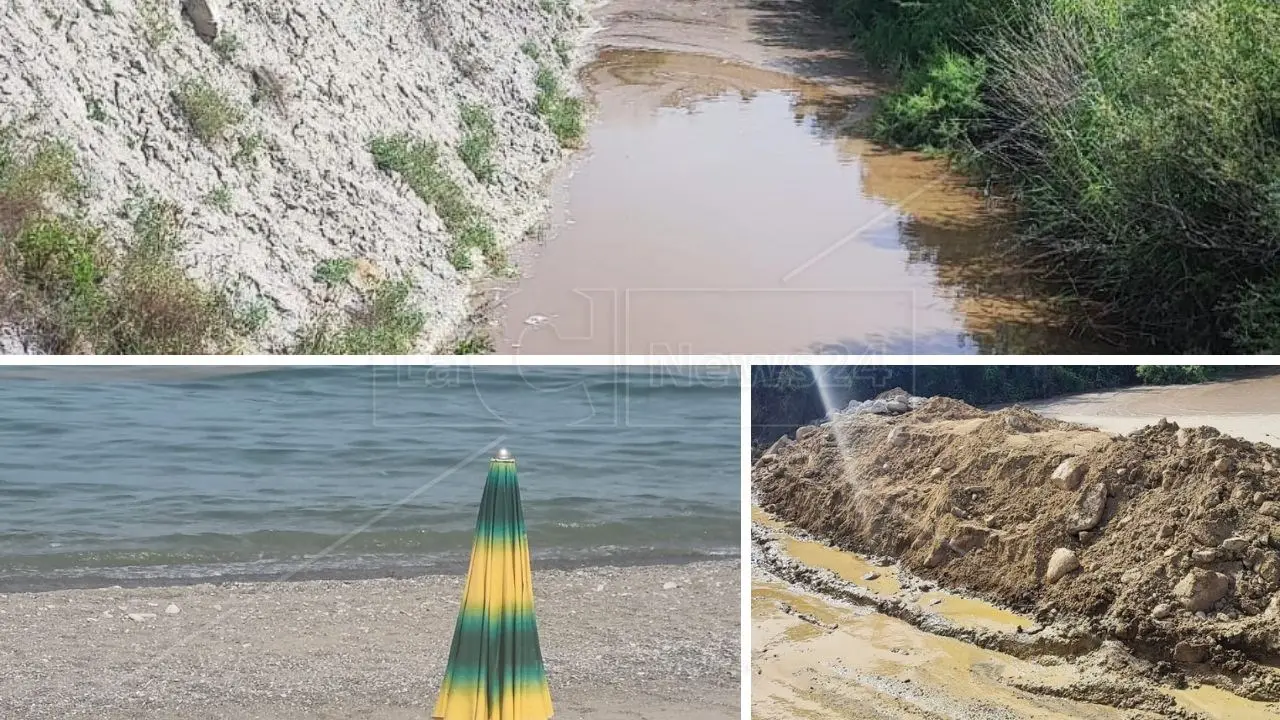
[[1236, 544], [1210, 533], [1167, 530], [1068, 474], [140, 617], [970, 537], [939, 555], [1162, 611], [172, 609], [1268, 567], [1204, 557], [1200, 589], [805, 431], [1273, 607], [1062, 562], [897, 437], [670, 585], [1086, 537], [205, 16], [1089, 509], [1017, 424], [779, 445], [871, 576], [1270, 508], [1183, 437], [1188, 653], [897, 407], [1267, 465], [1224, 465], [935, 473]]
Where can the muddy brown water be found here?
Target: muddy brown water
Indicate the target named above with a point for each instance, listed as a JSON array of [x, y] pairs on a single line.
[[726, 202]]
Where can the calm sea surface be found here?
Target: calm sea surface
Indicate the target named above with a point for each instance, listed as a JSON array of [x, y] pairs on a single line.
[[132, 475]]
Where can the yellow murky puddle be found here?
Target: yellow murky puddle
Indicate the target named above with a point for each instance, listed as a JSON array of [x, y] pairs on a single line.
[[806, 666], [885, 667], [1222, 705]]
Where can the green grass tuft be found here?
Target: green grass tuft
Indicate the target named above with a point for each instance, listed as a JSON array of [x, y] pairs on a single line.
[[219, 199], [210, 113], [228, 46], [385, 324], [562, 113], [478, 139], [417, 162], [335, 271]]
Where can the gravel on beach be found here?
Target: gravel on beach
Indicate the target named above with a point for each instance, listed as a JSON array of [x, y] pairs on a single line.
[[637, 642]]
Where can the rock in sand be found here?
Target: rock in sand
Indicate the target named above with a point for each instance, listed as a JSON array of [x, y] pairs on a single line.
[[1201, 589], [1061, 563]]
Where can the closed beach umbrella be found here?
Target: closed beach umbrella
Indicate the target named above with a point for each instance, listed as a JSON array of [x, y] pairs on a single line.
[[495, 667]]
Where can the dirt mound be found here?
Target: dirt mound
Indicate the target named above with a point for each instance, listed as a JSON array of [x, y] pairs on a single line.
[[1167, 539]]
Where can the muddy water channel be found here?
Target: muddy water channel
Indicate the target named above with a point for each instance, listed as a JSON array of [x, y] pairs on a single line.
[[720, 207]]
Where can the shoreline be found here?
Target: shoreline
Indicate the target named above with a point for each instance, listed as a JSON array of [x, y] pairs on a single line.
[[38, 583], [617, 642]]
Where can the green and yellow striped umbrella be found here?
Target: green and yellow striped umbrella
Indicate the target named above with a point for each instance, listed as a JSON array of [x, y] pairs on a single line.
[[495, 667]]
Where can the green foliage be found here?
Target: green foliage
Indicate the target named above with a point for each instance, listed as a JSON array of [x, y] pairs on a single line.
[[564, 50], [248, 147], [59, 275], [564, 114], [417, 162], [1177, 374], [335, 271], [228, 46], [157, 22], [385, 324], [207, 110], [475, 344], [219, 199], [1140, 139], [938, 106], [478, 139]]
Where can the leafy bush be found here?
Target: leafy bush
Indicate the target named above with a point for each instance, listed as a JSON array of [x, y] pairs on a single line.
[[208, 111], [478, 138], [418, 163]]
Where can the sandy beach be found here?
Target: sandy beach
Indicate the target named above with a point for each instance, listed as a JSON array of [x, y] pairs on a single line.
[[646, 642]]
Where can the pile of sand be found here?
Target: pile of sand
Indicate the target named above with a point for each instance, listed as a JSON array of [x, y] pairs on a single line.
[[1167, 539]]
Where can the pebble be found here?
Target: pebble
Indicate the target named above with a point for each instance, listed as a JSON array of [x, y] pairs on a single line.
[[1162, 611], [141, 617], [172, 609], [871, 576], [670, 585]]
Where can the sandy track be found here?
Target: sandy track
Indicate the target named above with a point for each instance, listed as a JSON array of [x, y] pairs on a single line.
[[616, 643]]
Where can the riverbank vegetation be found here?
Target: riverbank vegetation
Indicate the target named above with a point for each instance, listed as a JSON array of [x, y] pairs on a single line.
[[1139, 140], [71, 287], [784, 397]]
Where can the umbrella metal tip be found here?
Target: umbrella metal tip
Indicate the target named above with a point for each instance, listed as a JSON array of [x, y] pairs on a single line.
[[503, 454]]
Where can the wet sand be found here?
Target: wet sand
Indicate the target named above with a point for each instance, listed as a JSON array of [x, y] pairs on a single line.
[[1248, 408], [814, 656], [726, 203], [617, 646]]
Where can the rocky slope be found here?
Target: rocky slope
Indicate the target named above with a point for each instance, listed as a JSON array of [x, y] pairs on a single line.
[[257, 124], [1167, 539]]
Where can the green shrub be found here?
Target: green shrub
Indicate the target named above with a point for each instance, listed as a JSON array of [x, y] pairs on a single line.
[[563, 114], [1140, 140], [478, 139], [417, 162], [1177, 374], [228, 46], [385, 324], [207, 110], [335, 271], [939, 104]]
